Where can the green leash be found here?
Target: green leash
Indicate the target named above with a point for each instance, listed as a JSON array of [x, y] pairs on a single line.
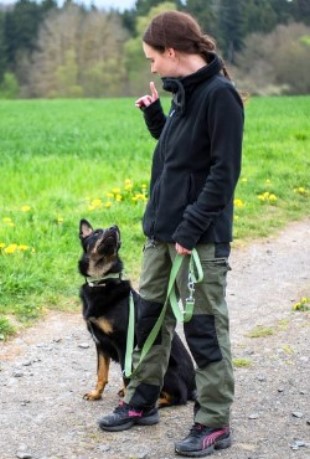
[[130, 338], [181, 314]]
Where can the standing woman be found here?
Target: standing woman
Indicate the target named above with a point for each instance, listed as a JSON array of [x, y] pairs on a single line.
[[196, 166]]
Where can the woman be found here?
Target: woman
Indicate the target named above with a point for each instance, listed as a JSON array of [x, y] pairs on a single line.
[[195, 169]]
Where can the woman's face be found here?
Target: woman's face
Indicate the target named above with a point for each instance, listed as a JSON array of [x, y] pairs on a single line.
[[164, 64]]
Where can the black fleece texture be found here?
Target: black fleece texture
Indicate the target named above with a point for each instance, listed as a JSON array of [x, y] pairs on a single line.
[[197, 159]]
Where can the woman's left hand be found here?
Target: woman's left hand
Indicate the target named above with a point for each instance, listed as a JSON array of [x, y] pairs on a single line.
[[182, 250], [148, 99]]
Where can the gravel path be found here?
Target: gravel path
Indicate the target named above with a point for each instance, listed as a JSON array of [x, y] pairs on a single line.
[[46, 370]]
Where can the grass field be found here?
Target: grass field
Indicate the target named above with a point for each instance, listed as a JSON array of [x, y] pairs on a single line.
[[64, 160]]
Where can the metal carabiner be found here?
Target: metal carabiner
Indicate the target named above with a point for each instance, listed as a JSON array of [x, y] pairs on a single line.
[[191, 287]]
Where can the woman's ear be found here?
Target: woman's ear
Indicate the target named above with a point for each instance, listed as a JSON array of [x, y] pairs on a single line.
[[171, 53]]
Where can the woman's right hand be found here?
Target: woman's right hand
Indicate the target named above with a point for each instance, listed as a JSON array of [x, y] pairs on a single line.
[[147, 100]]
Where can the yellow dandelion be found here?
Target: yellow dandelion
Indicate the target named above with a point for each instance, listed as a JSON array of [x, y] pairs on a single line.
[[238, 203], [128, 186], [110, 195], [11, 248], [302, 305], [139, 197], [22, 247], [267, 197], [116, 190], [2, 245], [118, 197], [243, 180], [60, 219], [272, 198], [107, 204], [301, 190], [95, 204], [25, 208], [7, 220]]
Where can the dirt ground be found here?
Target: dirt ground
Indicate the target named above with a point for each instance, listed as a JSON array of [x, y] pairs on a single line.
[[46, 370]]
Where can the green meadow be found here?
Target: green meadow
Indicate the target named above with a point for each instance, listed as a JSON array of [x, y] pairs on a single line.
[[63, 160]]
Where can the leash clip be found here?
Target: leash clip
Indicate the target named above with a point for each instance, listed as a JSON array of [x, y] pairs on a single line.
[[191, 288]]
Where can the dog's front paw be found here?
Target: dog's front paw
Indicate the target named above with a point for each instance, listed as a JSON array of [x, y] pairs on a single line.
[[93, 395]]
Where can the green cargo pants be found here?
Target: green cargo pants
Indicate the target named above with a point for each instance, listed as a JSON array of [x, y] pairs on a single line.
[[207, 333]]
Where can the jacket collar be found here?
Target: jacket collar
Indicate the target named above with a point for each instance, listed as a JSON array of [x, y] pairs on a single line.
[[180, 87]]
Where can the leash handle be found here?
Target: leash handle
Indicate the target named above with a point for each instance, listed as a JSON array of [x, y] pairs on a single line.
[[195, 265]]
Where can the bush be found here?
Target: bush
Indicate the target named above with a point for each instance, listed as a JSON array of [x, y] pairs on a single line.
[[277, 63], [9, 88]]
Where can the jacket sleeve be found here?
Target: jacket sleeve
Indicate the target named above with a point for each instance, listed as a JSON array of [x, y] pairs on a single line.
[[155, 118], [225, 128]]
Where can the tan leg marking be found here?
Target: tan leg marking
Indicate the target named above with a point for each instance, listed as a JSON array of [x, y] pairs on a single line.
[[164, 400], [102, 378], [121, 392]]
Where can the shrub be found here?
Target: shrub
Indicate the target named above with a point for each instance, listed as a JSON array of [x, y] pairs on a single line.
[[276, 63], [9, 88]]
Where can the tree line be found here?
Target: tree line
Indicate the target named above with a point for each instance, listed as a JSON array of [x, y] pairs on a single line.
[[75, 51]]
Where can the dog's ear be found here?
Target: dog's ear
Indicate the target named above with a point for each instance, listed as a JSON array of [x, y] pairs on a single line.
[[119, 242], [85, 228]]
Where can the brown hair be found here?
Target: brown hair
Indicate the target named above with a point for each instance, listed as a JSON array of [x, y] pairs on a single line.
[[174, 29]]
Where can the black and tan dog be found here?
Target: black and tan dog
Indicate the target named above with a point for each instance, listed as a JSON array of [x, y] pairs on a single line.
[[105, 296]]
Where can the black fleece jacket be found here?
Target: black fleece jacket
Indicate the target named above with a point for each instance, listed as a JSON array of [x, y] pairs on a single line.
[[197, 159]]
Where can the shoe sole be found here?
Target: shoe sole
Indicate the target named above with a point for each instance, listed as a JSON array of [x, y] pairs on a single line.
[[131, 423], [221, 444]]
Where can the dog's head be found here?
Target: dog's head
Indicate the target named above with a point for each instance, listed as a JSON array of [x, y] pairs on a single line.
[[100, 250]]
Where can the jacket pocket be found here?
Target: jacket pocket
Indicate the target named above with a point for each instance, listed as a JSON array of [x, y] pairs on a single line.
[[149, 216]]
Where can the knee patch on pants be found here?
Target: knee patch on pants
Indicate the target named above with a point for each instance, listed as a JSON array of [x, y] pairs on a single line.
[[148, 313], [202, 340]]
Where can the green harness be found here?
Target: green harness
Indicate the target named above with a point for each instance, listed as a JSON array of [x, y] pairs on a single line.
[[182, 314]]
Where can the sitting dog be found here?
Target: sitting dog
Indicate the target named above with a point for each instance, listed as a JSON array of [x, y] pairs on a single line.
[[105, 297]]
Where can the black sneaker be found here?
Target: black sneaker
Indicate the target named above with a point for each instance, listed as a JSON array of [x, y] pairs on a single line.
[[125, 416], [203, 440]]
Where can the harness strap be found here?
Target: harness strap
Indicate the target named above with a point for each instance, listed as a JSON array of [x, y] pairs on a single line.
[[181, 314]]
